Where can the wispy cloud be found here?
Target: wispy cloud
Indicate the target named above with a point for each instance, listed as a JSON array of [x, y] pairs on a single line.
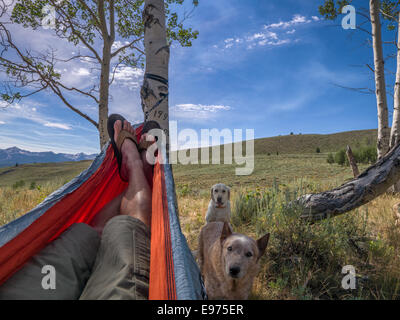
[[128, 76], [192, 111], [297, 19], [57, 125], [28, 111], [273, 34]]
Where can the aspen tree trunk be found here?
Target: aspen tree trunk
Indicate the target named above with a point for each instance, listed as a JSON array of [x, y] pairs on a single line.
[[154, 91], [380, 85], [394, 134], [108, 40], [104, 95]]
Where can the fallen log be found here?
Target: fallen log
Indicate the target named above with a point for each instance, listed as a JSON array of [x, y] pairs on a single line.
[[371, 183]]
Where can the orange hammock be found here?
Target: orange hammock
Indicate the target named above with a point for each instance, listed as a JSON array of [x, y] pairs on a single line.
[[173, 271]]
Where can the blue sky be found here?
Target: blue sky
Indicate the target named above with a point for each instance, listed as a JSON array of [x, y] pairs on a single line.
[[273, 66]]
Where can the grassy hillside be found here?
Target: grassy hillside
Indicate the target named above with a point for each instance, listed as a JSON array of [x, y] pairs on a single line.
[[307, 143], [42, 172], [301, 261]]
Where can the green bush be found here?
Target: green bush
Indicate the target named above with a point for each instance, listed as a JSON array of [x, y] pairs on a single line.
[[364, 155], [318, 150], [18, 184], [340, 157], [183, 190], [305, 260]]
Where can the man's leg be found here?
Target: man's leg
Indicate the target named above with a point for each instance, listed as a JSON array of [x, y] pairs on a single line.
[[122, 266], [135, 201]]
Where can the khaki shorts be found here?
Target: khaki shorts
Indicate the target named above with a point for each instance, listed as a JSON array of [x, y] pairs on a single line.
[[115, 267]]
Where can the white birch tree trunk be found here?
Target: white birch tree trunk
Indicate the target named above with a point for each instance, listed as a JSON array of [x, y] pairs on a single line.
[[104, 94], [154, 91], [380, 85], [394, 133]]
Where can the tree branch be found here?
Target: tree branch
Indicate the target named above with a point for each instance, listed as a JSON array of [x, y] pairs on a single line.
[[129, 45]]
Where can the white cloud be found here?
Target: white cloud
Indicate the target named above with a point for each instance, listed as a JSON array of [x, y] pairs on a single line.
[[27, 112], [57, 125], [81, 72], [2, 122], [296, 20], [201, 107], [274, 43], [191, 111], [128, 76], [274, 34]]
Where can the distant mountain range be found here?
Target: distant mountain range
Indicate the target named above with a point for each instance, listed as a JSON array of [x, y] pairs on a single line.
[[14, 155]]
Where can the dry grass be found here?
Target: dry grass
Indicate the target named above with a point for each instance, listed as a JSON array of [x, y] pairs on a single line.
[[322, 252], [301, 262], [15, 202]]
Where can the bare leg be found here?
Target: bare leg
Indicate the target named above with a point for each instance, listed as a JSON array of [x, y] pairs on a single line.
[[135, 201]]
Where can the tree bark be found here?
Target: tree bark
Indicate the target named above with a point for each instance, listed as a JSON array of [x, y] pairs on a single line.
[[352, 162], [380, 85], [394, 134], [373, 182], [105, 70], [104, 94], [154, 91]]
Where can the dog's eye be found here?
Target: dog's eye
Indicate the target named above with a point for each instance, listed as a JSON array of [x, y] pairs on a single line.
[[215, 191], [223, 191], [249, 254], [229, 248]]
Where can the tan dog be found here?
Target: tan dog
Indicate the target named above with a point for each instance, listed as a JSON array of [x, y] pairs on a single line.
[[219, 207], [228, 261]]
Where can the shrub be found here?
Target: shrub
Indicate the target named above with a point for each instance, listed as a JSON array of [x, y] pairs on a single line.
[[340, 157], [318, 150], [183, 190], [18, 184], [330, 158], [364, 154], [305, 260]]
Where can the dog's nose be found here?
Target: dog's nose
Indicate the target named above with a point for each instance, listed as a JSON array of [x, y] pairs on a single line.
[[219, 199], [234, 271]]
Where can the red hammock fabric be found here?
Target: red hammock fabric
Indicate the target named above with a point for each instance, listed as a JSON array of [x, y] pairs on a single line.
[[82, 205]]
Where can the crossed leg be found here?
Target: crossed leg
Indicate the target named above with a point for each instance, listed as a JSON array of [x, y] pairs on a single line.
[[135, 201]]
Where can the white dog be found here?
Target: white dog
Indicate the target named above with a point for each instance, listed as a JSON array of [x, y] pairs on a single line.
[[219, 208]]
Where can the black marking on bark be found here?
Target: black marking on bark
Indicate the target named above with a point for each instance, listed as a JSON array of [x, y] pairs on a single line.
[[148, 18], [166, 48]]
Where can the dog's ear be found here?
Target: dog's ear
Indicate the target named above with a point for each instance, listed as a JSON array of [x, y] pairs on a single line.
[[226, 232], [229, 193], [262, 245], [211, 194]]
